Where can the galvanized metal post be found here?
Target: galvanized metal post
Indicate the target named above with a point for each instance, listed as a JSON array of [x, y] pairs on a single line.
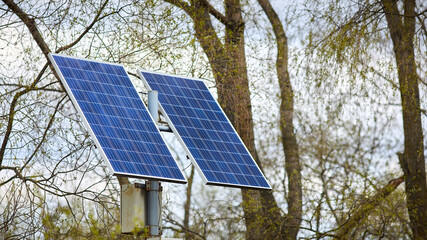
[[154, 208], [153, 105], [153, 187]]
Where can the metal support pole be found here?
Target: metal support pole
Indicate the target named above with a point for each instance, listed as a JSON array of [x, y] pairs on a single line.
[[153, 106], [154, 207], [153, 187]]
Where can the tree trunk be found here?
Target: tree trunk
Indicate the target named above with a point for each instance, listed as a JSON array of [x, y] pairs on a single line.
[[402, 31], [262, 215], [289, 142], [228, 63]]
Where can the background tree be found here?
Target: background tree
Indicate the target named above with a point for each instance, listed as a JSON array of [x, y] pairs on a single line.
[[228, 63], [402, 31], [289, 141], [357, 40], [53, 183]]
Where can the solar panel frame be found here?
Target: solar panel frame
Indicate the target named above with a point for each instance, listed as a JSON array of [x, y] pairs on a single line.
[[181, 141], [91, 131]]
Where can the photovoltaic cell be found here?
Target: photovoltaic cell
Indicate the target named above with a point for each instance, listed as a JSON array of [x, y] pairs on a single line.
[[117, 119], [205, 132]]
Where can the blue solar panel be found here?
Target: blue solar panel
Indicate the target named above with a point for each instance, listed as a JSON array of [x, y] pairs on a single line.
[[205, 131], [117, 119]]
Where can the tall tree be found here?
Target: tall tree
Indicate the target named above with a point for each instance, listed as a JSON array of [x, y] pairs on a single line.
[[228, 62], [40, 151], [356, 33], [401, 27], [289, 141], [52, 180]]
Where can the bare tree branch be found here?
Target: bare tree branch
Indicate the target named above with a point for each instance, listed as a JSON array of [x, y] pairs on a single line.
[[216, 13], [89, 27], [12, 112], [181, 4], [363, 211], [31, 25]]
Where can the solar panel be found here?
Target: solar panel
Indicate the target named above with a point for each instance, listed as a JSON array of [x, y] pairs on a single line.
[[115, 116], [205, 132]]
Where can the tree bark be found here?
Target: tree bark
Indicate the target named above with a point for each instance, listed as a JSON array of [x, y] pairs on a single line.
[[402, 31], [289, 142], [228, 63]]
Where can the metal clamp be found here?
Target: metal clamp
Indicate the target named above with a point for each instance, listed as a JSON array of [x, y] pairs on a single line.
[[149, 232], [148, 186]]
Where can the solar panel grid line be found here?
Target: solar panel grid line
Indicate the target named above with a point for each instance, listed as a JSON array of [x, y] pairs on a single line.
[[123, 141], [220, 126]]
